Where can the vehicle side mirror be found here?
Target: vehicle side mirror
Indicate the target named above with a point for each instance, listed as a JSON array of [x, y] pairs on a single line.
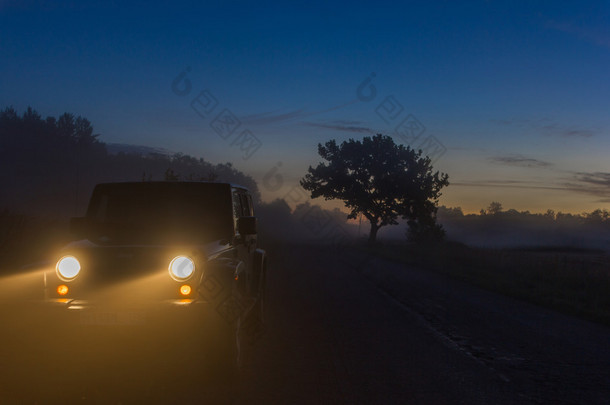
[[246, 225], [78, 227]]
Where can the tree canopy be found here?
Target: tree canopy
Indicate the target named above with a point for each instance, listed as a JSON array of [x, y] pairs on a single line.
[[379, 179]]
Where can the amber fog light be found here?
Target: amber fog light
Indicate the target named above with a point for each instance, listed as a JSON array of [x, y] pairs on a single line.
[[185, 289], [62, 289]]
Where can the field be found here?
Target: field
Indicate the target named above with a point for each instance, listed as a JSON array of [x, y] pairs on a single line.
[[573, 281]]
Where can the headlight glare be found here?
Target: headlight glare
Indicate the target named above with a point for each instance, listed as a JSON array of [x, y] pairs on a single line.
[[181, 268], [68, 268]]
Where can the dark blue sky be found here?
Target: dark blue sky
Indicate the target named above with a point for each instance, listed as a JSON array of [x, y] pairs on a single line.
[[515, 93]]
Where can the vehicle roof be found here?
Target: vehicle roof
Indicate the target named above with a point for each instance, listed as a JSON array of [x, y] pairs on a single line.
[[170, 183]]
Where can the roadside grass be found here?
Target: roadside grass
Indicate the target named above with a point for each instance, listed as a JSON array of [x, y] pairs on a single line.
[[572, 281]]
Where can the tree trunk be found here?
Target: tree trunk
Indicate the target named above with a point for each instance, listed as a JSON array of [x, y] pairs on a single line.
[[373, 233]]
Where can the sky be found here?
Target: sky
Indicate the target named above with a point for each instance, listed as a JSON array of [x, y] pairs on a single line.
[[511, 99]]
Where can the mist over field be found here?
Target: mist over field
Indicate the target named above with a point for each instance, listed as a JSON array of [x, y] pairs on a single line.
[[514, 229]]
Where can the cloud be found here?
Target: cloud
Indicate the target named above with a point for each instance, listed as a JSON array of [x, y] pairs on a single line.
[[599, 178], [519, 161], [341, 127], [546, 126], [116, 148], [589, 183], [597, 184], [501, 121], [348, 122], [584, 33], [599, 191], [272, 117], [555, 129], [508, 184], [585, 133], [468, 148], [592, 183]]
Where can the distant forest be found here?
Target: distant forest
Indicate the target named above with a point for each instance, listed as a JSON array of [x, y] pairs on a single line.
[[495, 227], [50, 165]]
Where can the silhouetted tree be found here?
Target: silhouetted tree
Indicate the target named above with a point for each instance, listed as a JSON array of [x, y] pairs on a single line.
[[425, 230], [379, 179], [494, 208], [171, 176]]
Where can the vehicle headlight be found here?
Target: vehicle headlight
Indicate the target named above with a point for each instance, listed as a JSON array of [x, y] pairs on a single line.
[[68, 268], [181, 268]]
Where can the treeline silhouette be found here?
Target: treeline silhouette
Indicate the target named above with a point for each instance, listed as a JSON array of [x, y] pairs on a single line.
[[50, 165], [495, 227], [511, 228]]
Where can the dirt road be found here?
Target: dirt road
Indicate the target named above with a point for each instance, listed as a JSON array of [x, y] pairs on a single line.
[[352, 329], [341, 328]]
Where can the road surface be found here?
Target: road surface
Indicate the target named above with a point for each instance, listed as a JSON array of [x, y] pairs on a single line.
[[341, 327]]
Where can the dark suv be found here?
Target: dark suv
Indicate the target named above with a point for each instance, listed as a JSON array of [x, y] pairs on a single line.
[[183, 249]]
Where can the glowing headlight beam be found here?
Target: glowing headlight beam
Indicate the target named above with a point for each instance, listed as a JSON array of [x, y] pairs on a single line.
[[181, 268], [68, 268]]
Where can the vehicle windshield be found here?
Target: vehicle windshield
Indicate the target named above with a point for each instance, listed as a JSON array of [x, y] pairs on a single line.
[[165, 213]]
